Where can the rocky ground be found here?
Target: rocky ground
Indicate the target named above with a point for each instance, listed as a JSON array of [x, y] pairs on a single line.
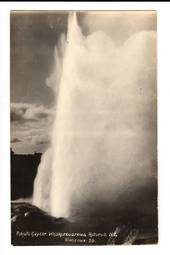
[[32, 226]]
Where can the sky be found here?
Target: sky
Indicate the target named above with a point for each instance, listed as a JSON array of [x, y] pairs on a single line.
[[34, 36]]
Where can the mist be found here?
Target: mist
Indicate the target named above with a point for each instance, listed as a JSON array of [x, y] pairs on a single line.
[[102, 151]]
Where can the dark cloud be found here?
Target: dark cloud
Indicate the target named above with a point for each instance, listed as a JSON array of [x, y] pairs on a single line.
[[42, 115], [17, 113], [42, 139], [15, 140], [31, 125], [23, 112], [42, 142]]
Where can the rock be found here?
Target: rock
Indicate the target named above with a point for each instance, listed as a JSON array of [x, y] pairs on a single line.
[[26, 218], [32, 226]]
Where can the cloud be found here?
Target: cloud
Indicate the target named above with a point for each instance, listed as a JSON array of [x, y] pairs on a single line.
[[15, 140], [31, 125], [22, 112], [41, 139]]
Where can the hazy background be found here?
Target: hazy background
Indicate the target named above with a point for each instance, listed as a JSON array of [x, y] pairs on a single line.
[[33, 38]]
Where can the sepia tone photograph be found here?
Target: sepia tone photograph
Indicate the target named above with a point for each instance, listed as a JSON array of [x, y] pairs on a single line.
[[83, 94]]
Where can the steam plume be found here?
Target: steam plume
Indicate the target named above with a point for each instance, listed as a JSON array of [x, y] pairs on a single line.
[[103, 143]]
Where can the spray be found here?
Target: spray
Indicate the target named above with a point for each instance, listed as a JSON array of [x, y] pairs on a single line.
[[103, 142]]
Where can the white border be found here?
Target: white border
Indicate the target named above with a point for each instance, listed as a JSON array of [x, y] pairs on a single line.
[[163, 10]]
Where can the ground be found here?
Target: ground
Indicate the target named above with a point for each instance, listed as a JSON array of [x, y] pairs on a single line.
[[32, 226]]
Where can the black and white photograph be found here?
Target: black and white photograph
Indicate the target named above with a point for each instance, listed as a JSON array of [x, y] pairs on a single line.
[[83, 127]]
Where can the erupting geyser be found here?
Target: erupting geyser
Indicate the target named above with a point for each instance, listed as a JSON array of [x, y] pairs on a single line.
[[103, 143]]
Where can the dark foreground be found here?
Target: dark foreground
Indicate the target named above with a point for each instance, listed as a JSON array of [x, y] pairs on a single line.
[[32, 226]]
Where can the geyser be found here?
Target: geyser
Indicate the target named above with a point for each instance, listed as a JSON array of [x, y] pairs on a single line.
[[103, 142]]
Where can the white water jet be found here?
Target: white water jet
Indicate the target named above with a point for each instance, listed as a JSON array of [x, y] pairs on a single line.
[[103, 143]]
